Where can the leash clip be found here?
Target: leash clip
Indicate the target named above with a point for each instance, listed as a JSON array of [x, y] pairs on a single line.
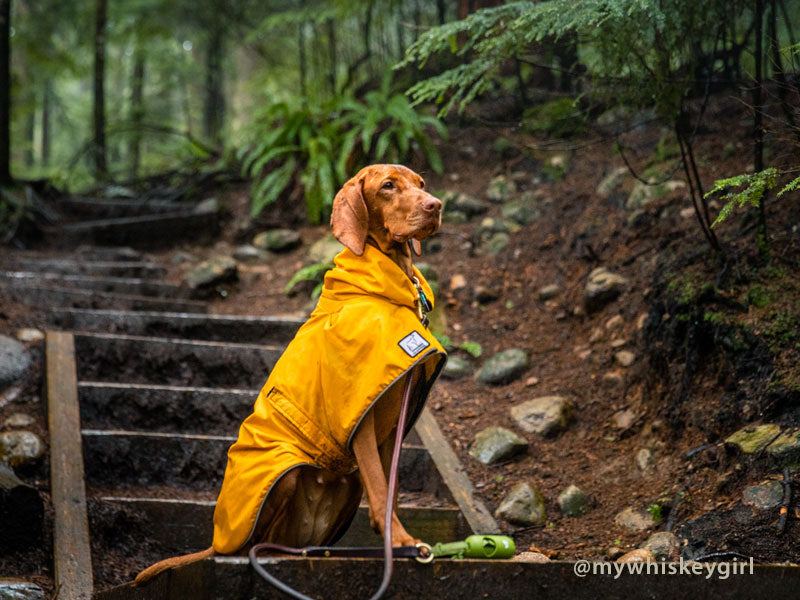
[[425, 555], [424, 305]]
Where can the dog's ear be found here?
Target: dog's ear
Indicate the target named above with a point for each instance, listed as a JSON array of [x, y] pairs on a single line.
[[416, 245], [349, 217]]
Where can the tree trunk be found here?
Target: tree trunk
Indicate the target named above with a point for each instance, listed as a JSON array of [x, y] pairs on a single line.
[[777, 65], [5, 92], [99, 92], [332, 55], [30, 134], [137, 110], [215, 100], [758, 129], [21, 512], [441, 8], [45, 139], [566, 50], [301, 59]]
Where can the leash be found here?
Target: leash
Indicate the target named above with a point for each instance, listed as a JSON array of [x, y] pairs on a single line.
[[421, 552]]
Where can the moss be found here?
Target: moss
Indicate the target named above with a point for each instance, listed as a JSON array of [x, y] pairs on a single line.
[[713, 317], [666, 149], [559, 118], [783, 330], [758, 296]]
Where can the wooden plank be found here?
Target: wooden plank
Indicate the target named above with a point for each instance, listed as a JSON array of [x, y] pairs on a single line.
[[73, 564], [446, 461]]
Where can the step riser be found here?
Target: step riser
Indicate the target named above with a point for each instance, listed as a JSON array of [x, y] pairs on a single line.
[[197, 327], [55, 297], [121, 460], [143, 360], [151, 409], [108, 209], [94, 268], [118, 285], [180, 527]]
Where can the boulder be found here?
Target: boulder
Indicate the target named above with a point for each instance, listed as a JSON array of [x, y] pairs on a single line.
[[456, 368], [634, 520], [520, 212], [572, 501], [611, 182], [14, 360], [754, 438], [603, 287], [15, 589], [547, 415], [323, 250], [212, 272], [20, 447], [250, 254], [785, 449], [501, 189], [766, 496], [277, 240], [664, 546], [523, 505], [504, 367], [495, 444]]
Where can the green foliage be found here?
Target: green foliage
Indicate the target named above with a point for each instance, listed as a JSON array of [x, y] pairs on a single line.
[[316, 145], [560, 118], [755, 186], [655, 512], [315, 272], [444, 340], [474, 349], [758, 296]]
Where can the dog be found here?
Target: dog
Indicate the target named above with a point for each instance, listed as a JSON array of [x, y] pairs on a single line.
[[323, 426]]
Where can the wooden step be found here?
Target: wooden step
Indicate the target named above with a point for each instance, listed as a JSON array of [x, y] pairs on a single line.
[[123, 459], [180, 525], [164, 361], [53, 296], [125, 268], [118, 285], [233, 328], [100, 209]]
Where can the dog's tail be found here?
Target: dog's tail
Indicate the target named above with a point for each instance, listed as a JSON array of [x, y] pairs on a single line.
[[170, 563]]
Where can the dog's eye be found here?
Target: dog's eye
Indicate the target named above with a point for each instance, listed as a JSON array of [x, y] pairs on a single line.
[[421, 184], [388, 185]]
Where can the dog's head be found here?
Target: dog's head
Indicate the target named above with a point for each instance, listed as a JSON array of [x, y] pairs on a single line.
[[388, 203]]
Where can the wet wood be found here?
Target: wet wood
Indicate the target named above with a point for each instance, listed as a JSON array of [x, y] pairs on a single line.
[[73, 565], [446, 461]]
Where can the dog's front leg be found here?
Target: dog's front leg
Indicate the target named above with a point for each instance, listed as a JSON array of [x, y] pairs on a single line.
[[365, 447]]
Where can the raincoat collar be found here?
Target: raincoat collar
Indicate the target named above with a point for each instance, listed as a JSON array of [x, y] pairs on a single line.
[[371, 274]]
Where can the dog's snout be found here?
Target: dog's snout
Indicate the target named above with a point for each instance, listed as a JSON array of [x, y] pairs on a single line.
[[431, 204]]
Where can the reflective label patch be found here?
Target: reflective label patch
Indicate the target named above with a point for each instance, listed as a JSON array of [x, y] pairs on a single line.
[[413, 344]]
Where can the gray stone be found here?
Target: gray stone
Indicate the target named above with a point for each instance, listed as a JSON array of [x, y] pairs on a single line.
[[456, 368], [13, 589], [634, 520], [181, 257], [428, 271], [209, 205], [494, 444], [572, 501], [547, 415], [549, 292], [496, 244], [455, 217], [623, 419], [211, 272], [20, 447], [463, 203], [14, 360], [504, 367], [754, 438], [520, 212], [603, 287], [523, 505], [643, 194], [766, 496], [250, 254], [501, 189], [277, 240], [786, 448], [19, 420], [611, 182], [118, 191], [664, 546], [644, 458], [324, 250], [29, 334], [639, 555]]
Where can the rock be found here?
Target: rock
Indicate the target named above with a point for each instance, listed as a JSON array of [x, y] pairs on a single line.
[[455, 217], [615, 322], [637, 556], [428, 272], [520, 212], [457, 282], [324, 250], [494, 444], [618, 343], [30, 334], [277, 240], [611, 182], [623, 419], [644, 458], [625, 358], [456, 368], [549, 292], [19, 420], [20, 447], [503, 367], [500, 189], [572, 501], [766, 496], [212, 272], [14, 360], [485, 295], [531, 557], [786, 448], [531, 381], [180, 257], [614, 552], [634, 520], [641, 320], [523, 505], [596, 335], [664, 546], [603, 287], [11, 589], [547, 415], [251, 254], [753, 439], [209, 205], [496, 243], [555, 167], [119, 192], [468, 205], [613, 379]]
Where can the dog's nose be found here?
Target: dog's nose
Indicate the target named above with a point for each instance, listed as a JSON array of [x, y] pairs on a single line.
[[431, 204]]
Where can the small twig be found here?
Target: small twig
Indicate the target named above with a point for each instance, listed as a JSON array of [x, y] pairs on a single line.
[[787, 500], [673, 511]]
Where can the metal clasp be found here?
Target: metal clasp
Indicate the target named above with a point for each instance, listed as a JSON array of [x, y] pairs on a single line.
[[425, 555]]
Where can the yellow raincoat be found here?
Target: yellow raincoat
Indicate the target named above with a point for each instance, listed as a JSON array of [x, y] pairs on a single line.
[[364, 334]]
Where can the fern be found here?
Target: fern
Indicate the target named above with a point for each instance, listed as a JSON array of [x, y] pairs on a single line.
[[755, 186], [314, 272], [790, 187]]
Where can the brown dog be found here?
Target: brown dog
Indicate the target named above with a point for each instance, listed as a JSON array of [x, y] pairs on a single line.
[[291, 477]]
